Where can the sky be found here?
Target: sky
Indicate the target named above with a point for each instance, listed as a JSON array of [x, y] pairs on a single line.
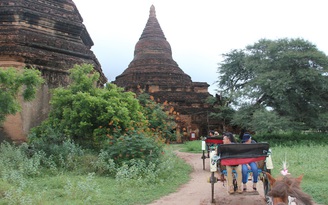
[[199, 31]]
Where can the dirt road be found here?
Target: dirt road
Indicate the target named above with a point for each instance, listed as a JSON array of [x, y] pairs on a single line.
[[198, 191]]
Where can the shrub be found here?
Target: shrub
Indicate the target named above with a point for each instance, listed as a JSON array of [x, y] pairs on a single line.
[[160, 117], [88, 114], [292, 138], [14, 161], [104, 164], [86, 117], [59, 151], [134, 146], [83, 189]]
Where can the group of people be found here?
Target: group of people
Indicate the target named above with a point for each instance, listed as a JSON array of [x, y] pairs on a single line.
[[242, 170], [213, 133]]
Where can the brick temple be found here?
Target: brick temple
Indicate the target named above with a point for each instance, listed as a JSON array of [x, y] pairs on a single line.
[[155, 72], [48, 35]]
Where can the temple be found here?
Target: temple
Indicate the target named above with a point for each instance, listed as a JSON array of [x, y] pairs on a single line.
[[155, 72], [49, 36]]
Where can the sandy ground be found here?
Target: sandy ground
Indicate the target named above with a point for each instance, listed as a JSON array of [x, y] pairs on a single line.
[[198, 191]]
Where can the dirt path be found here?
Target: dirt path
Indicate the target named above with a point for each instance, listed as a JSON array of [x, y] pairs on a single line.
[[198, 191]]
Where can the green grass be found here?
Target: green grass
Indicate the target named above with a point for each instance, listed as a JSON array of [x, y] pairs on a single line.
[[72, 188], [66, 187], [310, 160], [190, 146]]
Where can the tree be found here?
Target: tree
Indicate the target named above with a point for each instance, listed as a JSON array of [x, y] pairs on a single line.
[[222, 110], [159, 120], [95, 118], [285, 78], [86, 113], [12, 84]]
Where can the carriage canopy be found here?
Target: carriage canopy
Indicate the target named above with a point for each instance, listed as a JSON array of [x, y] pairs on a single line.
[[235, 154]]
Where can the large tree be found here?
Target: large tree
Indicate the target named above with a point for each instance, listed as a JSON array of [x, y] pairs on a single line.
[[277, 84]]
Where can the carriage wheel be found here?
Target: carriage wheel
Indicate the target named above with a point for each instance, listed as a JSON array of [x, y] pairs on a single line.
[[266, 184], [203, 157], [213, 178]]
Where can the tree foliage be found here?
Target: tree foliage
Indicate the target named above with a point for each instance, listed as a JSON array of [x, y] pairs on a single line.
[[281, 82], [222, 111], [14, 83], [101, 118], [160, 120], [83, 111]]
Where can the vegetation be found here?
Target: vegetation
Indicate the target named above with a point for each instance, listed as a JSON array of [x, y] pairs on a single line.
[[13, 83], [91, 115], [103, 120], [97, 146], [276, 85], [159, 116], [300, 160], [293, 138], [73, 175], [222, 111]]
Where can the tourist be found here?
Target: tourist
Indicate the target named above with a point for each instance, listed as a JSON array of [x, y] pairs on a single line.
[[247, 139], [229, 139], [211, 133]]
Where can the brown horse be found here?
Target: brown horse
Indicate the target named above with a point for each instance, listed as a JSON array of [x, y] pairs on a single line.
[[287, 190]]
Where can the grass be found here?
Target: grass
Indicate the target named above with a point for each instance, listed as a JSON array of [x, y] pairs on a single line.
[[73, 188], [310, 160], [65, 187]]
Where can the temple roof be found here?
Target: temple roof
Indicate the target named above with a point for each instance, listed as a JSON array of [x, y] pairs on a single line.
[[153, 62], [49, 35]]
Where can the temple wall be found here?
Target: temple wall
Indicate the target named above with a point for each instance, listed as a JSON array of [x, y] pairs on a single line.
[[16, 127]]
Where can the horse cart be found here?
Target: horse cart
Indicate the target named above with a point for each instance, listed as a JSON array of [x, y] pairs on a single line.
[[234, 154]]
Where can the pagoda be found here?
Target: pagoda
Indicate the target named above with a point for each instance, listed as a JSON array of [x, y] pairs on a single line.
[[155, 72], [48, 35]]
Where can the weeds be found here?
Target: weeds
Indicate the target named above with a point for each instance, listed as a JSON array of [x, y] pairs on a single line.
[[84, 189], [82, 177]]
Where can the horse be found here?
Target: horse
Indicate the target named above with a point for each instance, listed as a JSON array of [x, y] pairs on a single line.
[[286, 190]]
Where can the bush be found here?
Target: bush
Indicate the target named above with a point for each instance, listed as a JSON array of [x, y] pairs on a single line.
[[15, 162], [104, 164], [86, 117], [59, 151], [160, 117], [88, 114], [292, 138], [134, 146]]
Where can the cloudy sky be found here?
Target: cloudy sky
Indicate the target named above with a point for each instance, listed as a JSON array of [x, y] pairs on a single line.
[[199, 31]]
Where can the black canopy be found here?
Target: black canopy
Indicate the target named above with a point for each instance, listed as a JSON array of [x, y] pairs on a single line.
[[227, 151]]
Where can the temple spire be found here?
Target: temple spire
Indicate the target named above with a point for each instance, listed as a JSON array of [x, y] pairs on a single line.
[[153, 62], [152, 12]]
